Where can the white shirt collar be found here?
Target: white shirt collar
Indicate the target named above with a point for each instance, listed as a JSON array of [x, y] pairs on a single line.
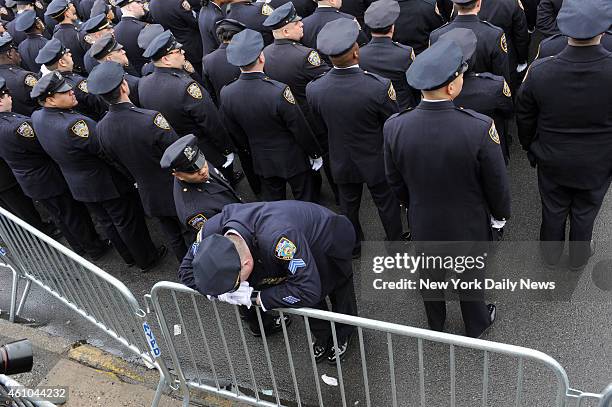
[[347, 67]]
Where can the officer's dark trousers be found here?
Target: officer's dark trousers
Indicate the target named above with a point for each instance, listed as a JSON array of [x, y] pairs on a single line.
[[175, 235], [581, 206], [246, 162], [275, 188], [387, 204], [74, 221], [16, 202], [124, 225]]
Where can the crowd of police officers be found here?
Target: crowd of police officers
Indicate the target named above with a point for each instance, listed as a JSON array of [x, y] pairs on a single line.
[[116, 110]]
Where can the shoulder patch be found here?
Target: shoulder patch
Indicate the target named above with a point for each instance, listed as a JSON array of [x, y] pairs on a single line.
[[83, 86], [185, 5], [285, 249], [161, 122], [314, 59], [493, 133], [187, 66], [80, 129], [266, 9], [503, 44], [197, 221], [288, 95], [30, 80], [194, 91], [506, 90], [26, 130], [391, 92]]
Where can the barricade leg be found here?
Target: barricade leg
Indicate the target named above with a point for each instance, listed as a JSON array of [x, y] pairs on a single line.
[[24, 296], [14, 288]]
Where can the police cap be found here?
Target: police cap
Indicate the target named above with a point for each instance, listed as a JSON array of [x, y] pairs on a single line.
[[25, 20], [51, 83], [228, 25], [95, 24], [6, 42], [437, 66], [23, 2], [161, 46], [148, 33], [465, 38], [183, 155], [382, 14], [51, 52], [104, 46], [3, 89], [244, 48], [282, 16], [123, 3], [584, 19], [56, 8], [100, 7], [216, 265], [105, 77], [338, 36]]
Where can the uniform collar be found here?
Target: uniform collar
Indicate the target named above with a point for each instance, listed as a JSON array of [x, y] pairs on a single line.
[[346, 71], [322, 8], [167, 70], [34, 35], [441, 105], [467, 17], [284, 41], [252, 75], [583, 54], [118, 107], [381, 40]]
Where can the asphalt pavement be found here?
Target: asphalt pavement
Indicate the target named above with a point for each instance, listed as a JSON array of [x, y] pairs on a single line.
[[577, 332]]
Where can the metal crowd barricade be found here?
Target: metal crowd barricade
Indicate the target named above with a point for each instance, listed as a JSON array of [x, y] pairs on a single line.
[[211, 352], [97, 296]]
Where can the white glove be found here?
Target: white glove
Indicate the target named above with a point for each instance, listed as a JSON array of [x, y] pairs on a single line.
[[229, 159], [225, 298], [316, 163], [521, 67], [497, 224], [242, 296]]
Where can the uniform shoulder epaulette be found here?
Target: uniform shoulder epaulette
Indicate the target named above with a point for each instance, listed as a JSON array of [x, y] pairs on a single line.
[[492, 25], [398, 114], [489, 75], [541, 61], [485, 119], [276, 83], [376, 76], [552, 37]]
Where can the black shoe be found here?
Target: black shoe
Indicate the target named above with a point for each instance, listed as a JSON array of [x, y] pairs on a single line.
[[581, 267], [320, 351], [161, 253], [236, 178], [342, 349], [492, 315], [406, 236], [106, 246], [276, 327]]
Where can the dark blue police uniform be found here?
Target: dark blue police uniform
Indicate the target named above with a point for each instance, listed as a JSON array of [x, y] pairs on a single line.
[[217, 72], [252, 15], [68, 34], [553, 45], [20, 83], [417, 19], [546, 22], [126, 33], [317, 20], [209, 14], [29, 48]]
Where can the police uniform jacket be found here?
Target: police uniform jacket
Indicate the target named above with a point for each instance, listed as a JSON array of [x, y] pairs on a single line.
[[391, 60], [303, 8], [137, 138], [210, 13], [126, 34], [353, 105], [356, 8], [29, 48], [71, 140], [38, 175], [90, 105], [491, 53], [295, 65], [509, 15], [553, 45], [178, 16], [417, 19], [68, 35], [20, 83], [188, 108], [263, 117], [546, 21], [563, 114], [446, 165], [84, 8], [217, 72], [7, 179], [295, 246], [252, 15], [18, 36], [317, 20], [196, 203]]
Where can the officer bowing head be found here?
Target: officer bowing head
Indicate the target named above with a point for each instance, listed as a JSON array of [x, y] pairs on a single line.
[[338, 40], [107, 80], [246, 51], [165, 51], [285, 23], [53, 91], [185, 160]]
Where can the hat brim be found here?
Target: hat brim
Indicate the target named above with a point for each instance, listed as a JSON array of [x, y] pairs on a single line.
[[65, 87]]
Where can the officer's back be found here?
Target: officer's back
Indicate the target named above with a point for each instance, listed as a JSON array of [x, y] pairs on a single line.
[[324, 13], [252, 15], [553, 45], [417, 19]]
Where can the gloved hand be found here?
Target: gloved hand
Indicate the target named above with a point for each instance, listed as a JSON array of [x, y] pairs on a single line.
[[229, 159], [242, 296], [521, 67], [316, 163], [498, 228]]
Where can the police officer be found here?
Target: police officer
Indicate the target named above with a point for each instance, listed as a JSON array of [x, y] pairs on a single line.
[[178, 16], [106, 48], [41, 179], [450, 174], [55, 57], [200, 190], [295, 65], [262, 114], [126, 32], [91, 31], [546, 22], [188, 108], [137, 138], [485, 93], [252, 15], [385, 57], [417, 19], [353, 105], [34, 41], [553, 45], [70, 139], [564, 122], [18, 81], [211, 12], [285, 254], [491, 50], [64, 12], [23, 6]]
